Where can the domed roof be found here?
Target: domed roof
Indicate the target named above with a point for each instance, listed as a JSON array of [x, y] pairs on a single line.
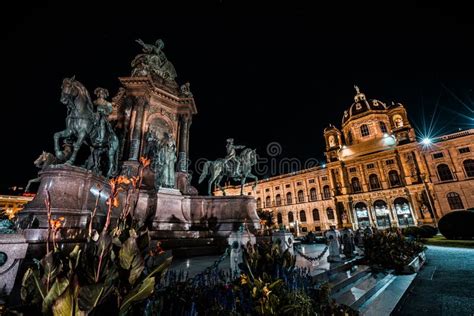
[[362, 105]]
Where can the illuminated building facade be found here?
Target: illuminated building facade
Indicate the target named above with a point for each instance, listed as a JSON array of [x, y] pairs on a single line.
[[376, 174], [12, 204]]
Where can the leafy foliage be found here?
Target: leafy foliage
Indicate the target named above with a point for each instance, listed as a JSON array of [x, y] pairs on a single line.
[[269, 284], [390, 249], [111, 272]]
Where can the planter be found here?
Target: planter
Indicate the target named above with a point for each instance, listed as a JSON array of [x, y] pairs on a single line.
[[415, 265]]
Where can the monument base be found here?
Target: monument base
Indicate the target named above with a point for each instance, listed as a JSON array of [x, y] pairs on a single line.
[[73, 192]]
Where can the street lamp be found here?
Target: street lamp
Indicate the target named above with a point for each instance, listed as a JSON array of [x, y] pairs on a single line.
[[426, 141]]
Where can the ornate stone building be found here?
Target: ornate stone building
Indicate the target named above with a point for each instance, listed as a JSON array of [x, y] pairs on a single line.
[[376, 173]]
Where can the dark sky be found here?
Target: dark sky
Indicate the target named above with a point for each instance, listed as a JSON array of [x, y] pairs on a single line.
[[274, 73]]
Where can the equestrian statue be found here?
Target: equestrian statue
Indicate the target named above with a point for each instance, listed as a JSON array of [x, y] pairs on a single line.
[[88, 126], [233, 166]]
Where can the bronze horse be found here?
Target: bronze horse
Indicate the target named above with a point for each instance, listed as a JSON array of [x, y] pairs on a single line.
[[220, 168], [81, 122]]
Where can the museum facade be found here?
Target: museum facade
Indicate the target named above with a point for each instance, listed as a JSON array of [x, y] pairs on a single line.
[[377, 173]]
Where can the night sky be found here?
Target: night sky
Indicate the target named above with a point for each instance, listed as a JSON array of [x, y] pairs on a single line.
[[275, 73]]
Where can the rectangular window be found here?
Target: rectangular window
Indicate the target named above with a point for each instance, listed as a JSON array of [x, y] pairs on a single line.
[[311, 181], [353, 169], [389, 162], [464, 150], [267, 190], [277, 188], [287, 185], [438, 155], [324, 178], [370, 166], [299, 183], [258, 192]]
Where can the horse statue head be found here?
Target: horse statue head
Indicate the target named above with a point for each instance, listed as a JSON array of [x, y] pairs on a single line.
[[248, 157], [74, 93], [44, 160]]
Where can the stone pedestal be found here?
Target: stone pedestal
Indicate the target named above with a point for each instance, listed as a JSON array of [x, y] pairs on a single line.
[[236, 240], [12, 250], [224, 214], [171, 212], [285, 239], [73, 191]]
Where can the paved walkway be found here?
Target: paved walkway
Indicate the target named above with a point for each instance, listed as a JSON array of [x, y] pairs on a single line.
[[444, 286]]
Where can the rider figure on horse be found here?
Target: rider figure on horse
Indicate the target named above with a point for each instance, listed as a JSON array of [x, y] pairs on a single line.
[[232, 155], [104, 109]]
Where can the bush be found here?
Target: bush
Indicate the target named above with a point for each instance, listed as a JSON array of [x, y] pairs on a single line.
[[412, 231], [425, 231], [457, 225], [428, 231]]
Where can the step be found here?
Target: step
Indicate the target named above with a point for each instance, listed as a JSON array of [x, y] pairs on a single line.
[[384, 301], [357, 293], [341, 267], [344, 278]]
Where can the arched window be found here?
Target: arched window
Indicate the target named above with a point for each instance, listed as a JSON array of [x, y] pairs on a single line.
[[355, 185], [394, 178], [454, 200], [444, 173], [382, 213], [330, 213], [259, 203], [312, 194], [278, 200], [315, 215], [279, 218], [300, 196], [383, 127], [302, 216], [362, 214], [288, 198], [268, 202], [374, 182], [402, 208], [349, 138], [290, 217], [364, 130], [469, 167], [326, 192]]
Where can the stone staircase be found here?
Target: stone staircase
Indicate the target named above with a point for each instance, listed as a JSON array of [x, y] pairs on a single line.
[[364, 290]]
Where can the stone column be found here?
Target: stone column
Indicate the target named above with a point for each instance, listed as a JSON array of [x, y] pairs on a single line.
[[183, 143], [365, 185], [136, 132], [383, 180]]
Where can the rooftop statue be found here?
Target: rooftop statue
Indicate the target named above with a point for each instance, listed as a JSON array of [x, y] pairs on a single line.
[[185, 90], [83, 124], [236, 167], [153, 61]]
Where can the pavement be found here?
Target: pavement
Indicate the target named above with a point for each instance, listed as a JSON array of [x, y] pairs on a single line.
[[444, 286]]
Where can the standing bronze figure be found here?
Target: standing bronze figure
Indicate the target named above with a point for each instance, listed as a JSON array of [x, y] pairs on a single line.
[[84, 125], [239, 171]]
